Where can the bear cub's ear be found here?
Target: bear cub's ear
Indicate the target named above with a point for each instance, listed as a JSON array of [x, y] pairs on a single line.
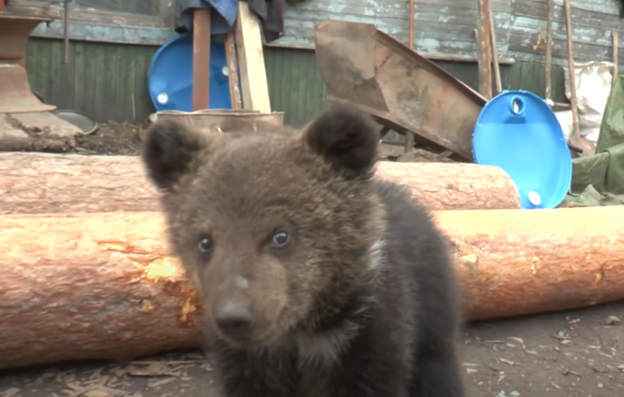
[[168, 151], [346, 137]]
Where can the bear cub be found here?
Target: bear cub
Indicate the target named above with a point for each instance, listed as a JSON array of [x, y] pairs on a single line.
[[317, 280]]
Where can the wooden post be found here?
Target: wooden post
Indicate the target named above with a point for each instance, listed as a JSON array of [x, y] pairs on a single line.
[[484, 50], [575, 139], [616, 40], [255, 89], [549, 35], [232, 65], [497, 76], [411, 24], [201, 59]]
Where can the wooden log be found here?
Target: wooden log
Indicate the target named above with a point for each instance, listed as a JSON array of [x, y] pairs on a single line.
[[90, 287], [526, 262], [101, 286], [34, 183]]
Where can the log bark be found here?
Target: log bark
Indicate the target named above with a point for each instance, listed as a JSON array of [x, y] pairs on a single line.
[[97, 286], [513, 263], [34, 183], [101, 286]]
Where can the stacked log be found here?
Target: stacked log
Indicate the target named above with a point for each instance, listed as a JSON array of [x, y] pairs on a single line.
[[34, 183], [101, 285]]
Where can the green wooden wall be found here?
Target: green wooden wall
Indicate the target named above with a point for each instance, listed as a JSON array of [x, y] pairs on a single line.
[[109, 81]]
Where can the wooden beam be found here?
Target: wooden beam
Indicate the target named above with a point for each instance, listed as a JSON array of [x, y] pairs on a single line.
[[232, 66], [484, 49], [549, 37], [254, 86], [575, 139], [495, 64], [616, 40], [201, 59], [411, 24]]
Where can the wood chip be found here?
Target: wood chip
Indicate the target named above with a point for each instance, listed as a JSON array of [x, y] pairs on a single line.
[[504, 360], [519, 340], [612, 320], [11, 392], [158, 383]]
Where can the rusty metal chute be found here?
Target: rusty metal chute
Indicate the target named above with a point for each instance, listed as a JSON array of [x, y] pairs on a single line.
[[366, 68]]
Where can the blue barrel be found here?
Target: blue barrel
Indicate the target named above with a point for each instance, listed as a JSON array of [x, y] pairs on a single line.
[[518, 132], [170, 78]]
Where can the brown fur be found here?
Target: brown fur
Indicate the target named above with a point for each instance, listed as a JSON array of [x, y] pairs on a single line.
[[335, 311]]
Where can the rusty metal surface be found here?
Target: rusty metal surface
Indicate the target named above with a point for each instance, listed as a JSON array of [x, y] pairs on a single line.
[[15, 93], [366, 68], [16, 24]]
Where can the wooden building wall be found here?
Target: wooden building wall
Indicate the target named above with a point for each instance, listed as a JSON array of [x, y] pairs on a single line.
[[445, 27], [109, 81]]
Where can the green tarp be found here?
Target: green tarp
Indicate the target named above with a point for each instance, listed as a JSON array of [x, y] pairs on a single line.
[[599, 179]]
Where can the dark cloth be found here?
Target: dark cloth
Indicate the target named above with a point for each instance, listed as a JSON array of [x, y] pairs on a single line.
[[222, 18], [270, 12]]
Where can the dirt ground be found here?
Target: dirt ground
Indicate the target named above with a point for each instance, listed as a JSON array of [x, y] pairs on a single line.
[[565, 354], [110, 139]]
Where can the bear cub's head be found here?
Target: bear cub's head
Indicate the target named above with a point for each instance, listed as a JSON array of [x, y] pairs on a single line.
[[278, 229]]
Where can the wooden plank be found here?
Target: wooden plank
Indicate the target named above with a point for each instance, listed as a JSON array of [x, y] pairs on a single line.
[[85, 83], [97, 78], [411, 24], [390, 16], [574, 140], [110, 82], [232, 66], [254, 86], [131, 75], [615, 55], [593, 20], [201, 58], [80, 92], [549, 34], [495, 62]]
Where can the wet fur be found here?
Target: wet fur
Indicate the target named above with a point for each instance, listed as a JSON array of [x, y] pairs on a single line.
[[364, 302]]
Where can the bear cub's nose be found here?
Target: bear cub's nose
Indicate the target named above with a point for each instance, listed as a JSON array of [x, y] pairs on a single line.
[[234, 320]]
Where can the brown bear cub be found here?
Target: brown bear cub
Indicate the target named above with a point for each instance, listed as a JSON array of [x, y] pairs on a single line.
[[317, 280]]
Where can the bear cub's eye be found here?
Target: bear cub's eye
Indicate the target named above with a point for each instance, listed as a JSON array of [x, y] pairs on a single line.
[[280, 238], [204, 244]]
